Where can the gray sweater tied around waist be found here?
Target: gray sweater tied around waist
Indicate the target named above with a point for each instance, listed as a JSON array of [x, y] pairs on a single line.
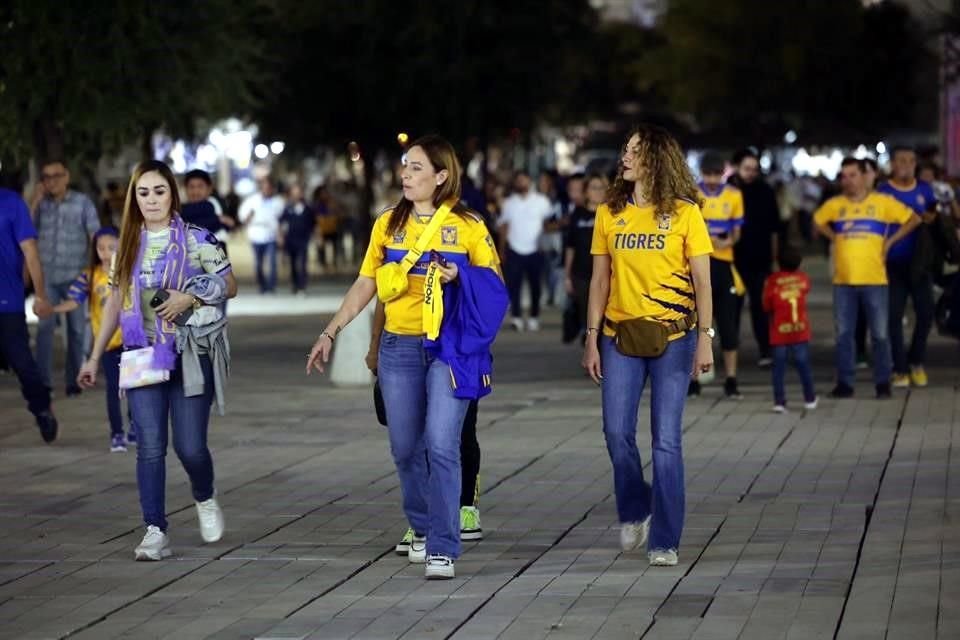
[[205, 333]]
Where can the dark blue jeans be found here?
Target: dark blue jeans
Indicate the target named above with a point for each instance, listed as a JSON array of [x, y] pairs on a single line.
[[903, 286], [153, 409], [521, 267], [846, 303], [298, 265], [623, 380], [801, 360], [425, 422], [15, 349], [76, 326], [111, 373], [267, 251]]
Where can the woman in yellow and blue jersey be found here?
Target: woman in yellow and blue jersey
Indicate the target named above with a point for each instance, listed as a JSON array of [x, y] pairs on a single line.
[[651, 260], [424, 416]]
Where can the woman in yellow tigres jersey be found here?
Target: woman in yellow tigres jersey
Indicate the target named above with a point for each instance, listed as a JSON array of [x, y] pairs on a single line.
[[424, 416], [651, 263]]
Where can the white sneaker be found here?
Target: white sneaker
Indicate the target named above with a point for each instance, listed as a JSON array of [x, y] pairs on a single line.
[[439, 568], [533, 324], [810, 406], [418, 550], [663, 557], [633, 535], [779, 408], [154, 545], [211, 520], [517, 324]]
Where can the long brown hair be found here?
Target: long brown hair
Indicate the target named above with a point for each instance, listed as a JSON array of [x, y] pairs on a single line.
[[666, 176], [132, 224], [441, 155]]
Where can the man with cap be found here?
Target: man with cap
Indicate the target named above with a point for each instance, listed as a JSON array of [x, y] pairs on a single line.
[[723, 213]]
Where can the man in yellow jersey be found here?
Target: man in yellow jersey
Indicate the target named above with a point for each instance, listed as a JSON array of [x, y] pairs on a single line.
[[859, 224], [723, 213]]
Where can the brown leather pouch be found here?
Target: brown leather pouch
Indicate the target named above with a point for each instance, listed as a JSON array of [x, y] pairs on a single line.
[[646, 338]]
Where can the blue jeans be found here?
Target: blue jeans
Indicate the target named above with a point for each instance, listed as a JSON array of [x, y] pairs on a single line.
[[76, 323], [266, 251], [846, 302], [424, 418], [801, 360], [518, 268], [111, 374], [155, 407], [623, 381]]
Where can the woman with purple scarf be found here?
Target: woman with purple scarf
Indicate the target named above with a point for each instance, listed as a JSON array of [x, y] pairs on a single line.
[[159, 252]]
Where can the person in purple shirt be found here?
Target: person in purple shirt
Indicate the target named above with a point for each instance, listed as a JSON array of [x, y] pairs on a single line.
[[905, 281], [18, 245]]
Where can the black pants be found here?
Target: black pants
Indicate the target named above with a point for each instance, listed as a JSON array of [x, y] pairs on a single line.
[[15, 346], [469, 458], [726, 305], [903, 286], [754, 279], [521, 267], [298, 265]]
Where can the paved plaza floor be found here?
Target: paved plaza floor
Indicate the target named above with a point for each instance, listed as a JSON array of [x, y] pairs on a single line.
[[841, 522]]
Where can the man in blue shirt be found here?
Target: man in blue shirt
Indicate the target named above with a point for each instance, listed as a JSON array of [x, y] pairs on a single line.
[[908, 365], [18, 244]]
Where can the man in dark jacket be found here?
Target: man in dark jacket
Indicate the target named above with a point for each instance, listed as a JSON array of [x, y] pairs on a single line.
[[756, 252]]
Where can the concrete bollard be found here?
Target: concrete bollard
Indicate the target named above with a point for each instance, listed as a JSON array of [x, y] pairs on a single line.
[[348, 368]]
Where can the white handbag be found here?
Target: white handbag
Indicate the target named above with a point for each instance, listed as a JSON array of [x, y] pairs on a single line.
[[136, 369]]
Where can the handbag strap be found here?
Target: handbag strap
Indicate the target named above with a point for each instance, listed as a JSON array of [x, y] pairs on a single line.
[[677, 326], [414, 254]]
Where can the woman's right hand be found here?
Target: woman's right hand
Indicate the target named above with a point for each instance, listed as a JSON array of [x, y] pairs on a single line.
[[319, 355], [591, 360], [87, 378]]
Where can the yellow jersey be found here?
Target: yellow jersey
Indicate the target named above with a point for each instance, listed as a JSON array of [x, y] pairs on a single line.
[[96, 289], [723, 212], [650, 267], [860, 230], [462, 239]]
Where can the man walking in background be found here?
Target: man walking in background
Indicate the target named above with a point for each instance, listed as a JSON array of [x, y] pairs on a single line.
[[65, 221]]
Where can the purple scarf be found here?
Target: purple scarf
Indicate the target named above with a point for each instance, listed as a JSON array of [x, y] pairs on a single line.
[[172, 265]]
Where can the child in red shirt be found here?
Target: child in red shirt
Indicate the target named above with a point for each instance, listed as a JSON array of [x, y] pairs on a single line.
[[785, 300]]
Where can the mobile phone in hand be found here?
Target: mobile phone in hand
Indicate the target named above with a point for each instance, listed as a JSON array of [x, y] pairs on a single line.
[[435, 256]]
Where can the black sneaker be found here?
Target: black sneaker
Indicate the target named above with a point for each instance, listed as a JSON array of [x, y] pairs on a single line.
[[47, 422], [730, 389], [883, 391], [841, 391], [694, 389]]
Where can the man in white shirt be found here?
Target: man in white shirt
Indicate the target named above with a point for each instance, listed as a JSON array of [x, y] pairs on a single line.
[[521, 226], [260, 214]]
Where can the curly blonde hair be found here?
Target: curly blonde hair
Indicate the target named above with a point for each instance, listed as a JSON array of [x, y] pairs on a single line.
[[666, 178]]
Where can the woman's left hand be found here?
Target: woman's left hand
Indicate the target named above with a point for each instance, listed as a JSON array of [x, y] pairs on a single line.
[[177, 303], [703, 360], [448, 273]]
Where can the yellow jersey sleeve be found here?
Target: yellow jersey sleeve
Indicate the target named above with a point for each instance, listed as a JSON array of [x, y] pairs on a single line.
[[825, 214], [697, 241], [482, 250], [896, 212], [598, 246], [374, 257]]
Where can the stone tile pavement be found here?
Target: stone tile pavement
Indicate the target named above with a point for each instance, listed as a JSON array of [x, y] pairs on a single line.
[[836, 523]]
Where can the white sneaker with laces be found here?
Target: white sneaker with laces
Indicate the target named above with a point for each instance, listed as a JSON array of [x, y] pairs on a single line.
[[663, 557], [439, 568], [154, 546], [517, 324], [810, 406], [418, 550], [633, 535], [210, 516], [533, 324]]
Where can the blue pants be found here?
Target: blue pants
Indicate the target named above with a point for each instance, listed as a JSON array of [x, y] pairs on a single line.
[[15, 350], [425, 422], [76, 323], [623, 380], [846, 301], [801, 360], [155, 407], [111, 373], [518, 268], [266, 251]]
